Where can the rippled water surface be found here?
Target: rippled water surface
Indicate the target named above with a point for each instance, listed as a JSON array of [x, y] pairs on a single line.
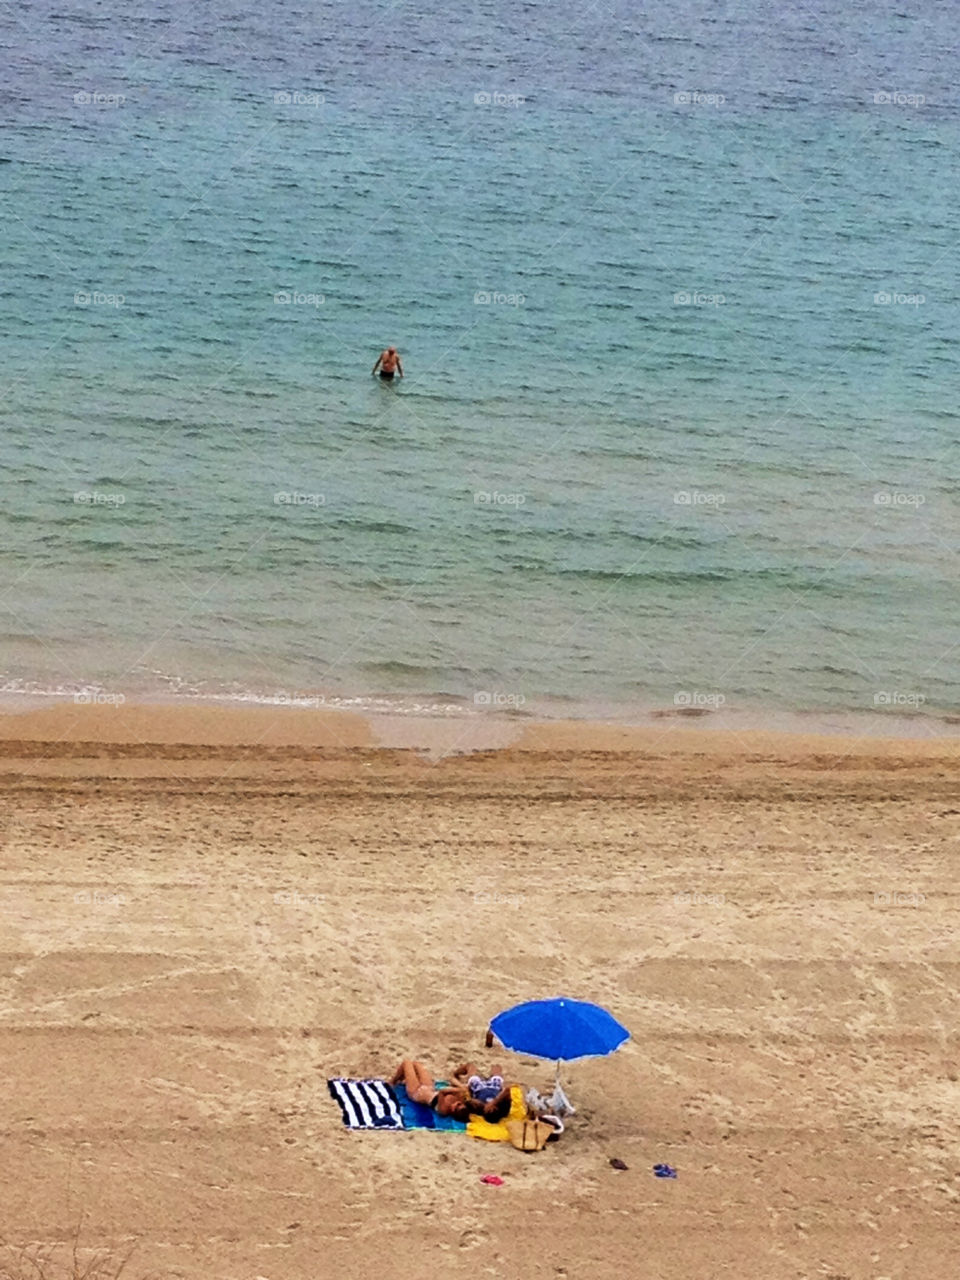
[[676, 294]]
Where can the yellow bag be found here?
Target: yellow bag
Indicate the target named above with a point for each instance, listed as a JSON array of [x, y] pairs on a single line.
[[530, 1135]]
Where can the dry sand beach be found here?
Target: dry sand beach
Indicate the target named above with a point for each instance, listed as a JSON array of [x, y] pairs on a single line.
[[206, 913]]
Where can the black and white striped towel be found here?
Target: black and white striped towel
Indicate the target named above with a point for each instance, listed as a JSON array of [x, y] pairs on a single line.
[[366, 1104]]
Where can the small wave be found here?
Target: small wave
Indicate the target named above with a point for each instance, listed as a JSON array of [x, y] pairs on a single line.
[[372, 526], [694, 577], [398, 667], [98, 545]]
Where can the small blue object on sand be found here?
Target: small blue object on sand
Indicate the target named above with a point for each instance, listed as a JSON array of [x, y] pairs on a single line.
[[664, 1171]]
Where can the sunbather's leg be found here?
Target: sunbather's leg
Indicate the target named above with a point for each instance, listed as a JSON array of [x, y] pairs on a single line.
[[416, 1079], [423, 1075], [463, 1074], [408, 1073]]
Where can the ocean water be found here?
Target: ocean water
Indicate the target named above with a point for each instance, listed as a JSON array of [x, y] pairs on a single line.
[[676, 293]]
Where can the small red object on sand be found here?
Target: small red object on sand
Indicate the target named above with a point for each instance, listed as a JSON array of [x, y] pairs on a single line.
[[492, 1180]]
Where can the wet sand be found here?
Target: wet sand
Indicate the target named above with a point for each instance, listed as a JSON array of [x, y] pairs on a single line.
[[204, 913]]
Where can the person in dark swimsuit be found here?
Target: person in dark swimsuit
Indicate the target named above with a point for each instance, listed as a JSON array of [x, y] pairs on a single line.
[[388, 363], [420, 1088], [455, 1101]]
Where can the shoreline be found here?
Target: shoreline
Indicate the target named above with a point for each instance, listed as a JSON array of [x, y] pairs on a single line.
[[220, 724]]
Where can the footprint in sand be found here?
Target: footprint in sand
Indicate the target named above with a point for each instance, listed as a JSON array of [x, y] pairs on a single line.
[[697, 1103], [471, 1239]]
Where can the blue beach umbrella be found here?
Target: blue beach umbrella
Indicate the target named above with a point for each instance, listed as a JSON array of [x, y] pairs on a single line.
[[561, 1029]]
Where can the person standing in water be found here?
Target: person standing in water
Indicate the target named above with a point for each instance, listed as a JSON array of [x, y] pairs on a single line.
[[388, 362]]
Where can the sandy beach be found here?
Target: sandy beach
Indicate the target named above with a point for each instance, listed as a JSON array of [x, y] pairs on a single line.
[[207, 912]]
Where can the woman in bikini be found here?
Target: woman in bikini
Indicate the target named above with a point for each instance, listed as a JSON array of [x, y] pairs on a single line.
[[454, 1101]]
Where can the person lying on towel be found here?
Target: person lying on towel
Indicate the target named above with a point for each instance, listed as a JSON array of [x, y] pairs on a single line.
[[482, 1088], [454, 1101]]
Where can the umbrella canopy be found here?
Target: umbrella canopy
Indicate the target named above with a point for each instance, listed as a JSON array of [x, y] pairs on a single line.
[[561, 1029]]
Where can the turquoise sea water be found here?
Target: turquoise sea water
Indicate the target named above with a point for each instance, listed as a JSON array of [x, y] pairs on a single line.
[[676, 294]]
